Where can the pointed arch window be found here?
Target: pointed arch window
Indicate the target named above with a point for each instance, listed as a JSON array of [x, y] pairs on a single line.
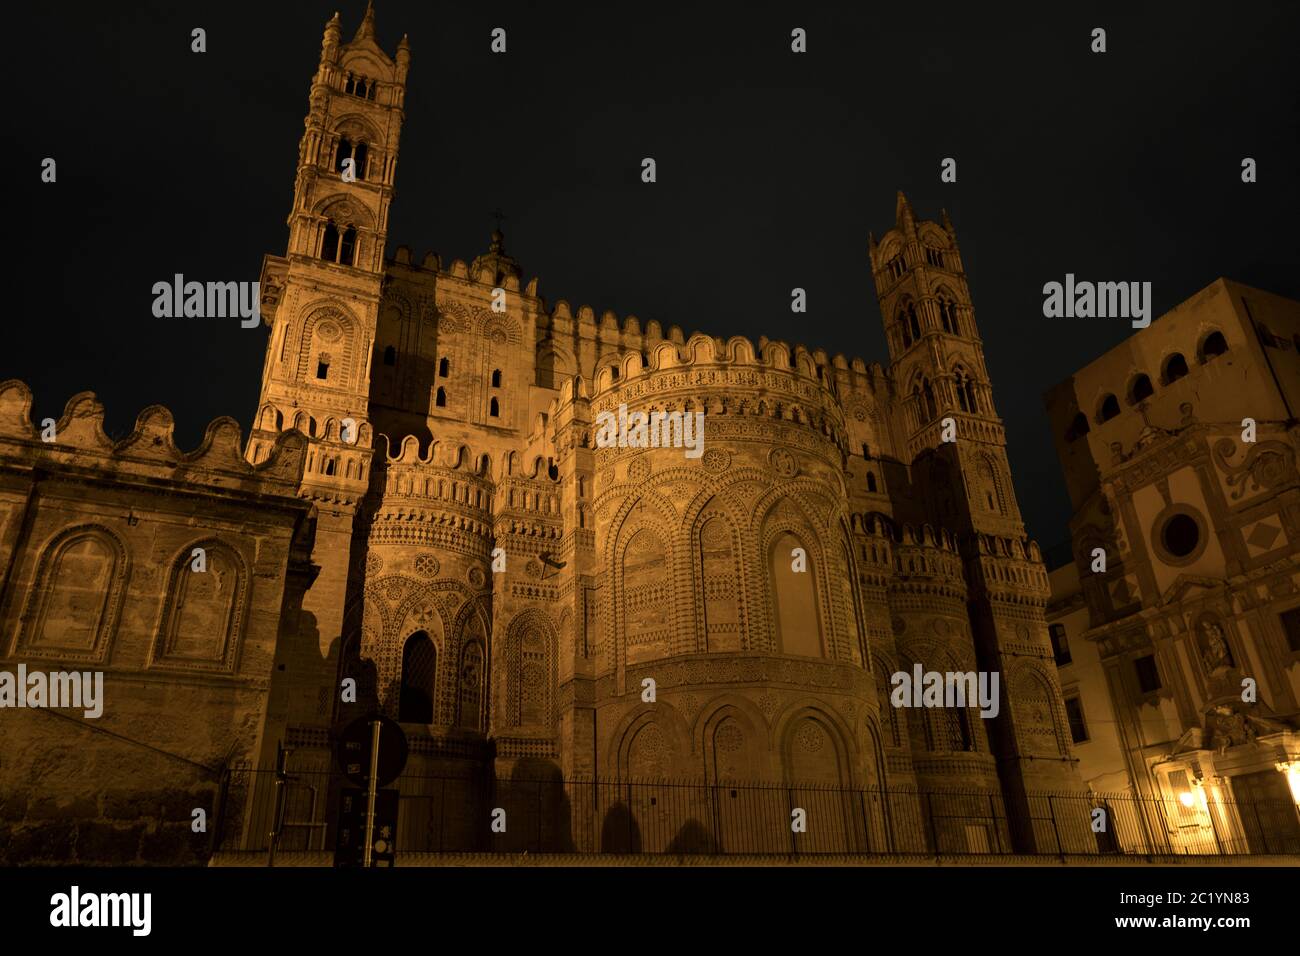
[[338, 246], [961, 382], [952, 732], [907, 332], [1140, 390], [494, 409], [796, 621], [530, 675], [444, 368], [347, 247], [912, 322], [329, 246], [496, 378], [419, 667], [73, 610], [948, 313], [440, 399], [471, 686], [923, 391], [360, 86], [871, 482], [356, 151]]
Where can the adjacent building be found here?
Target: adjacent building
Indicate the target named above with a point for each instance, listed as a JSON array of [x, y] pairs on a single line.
[[1176, 626]]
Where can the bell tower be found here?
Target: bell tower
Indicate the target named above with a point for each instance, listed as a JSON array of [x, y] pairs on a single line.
[[961, 480], [938, 363], [321, 303]]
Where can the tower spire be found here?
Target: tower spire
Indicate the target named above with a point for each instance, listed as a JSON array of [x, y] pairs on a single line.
[[330, 43], [903, 217], [367, 28]]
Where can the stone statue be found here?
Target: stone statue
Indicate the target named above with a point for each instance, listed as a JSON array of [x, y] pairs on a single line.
[[1215, 653]]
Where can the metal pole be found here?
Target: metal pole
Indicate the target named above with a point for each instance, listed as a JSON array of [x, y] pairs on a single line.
[[442, 817], [277, 802], [993, 825], [934, 833], [866, 821], [1056, 831], [370, 793], [1214, 827]]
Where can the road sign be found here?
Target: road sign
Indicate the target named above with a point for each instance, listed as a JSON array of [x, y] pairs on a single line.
[[349, 846], [352, 751]]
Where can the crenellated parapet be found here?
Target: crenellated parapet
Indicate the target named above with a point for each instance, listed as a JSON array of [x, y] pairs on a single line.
[[874, 536], [1009, 569], [78, 441], [441, 497], [743, 396], [928, 561]]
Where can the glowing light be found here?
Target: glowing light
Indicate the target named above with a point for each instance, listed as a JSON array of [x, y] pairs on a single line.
[[1186, 798], [1292, 771]]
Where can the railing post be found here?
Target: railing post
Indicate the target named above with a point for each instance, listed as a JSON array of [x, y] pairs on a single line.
[[1214, 827], [442, 813], [717, 820], [934, 833], [1259, 826], [794, 843], [1056, 830], [993, 824], [219, 812]]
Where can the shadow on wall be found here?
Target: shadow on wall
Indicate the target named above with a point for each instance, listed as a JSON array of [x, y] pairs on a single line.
[[62, 802], [402, 380], [621, 834], [537, 809]]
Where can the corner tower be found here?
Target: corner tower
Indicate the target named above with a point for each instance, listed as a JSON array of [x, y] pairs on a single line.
[[955, 446], [938, 363], [321, 302]]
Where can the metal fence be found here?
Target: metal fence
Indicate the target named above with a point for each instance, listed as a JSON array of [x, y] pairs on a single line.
[[297, 811]]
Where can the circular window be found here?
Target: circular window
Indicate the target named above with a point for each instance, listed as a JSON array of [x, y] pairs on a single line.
[[1180, 535]]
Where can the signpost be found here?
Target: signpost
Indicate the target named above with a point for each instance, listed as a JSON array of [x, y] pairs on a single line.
[[371, 751]]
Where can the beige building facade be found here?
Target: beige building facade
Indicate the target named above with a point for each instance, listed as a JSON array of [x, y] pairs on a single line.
[[1181, 608]]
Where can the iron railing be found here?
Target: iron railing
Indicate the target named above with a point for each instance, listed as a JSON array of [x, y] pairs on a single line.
[[443, 814]]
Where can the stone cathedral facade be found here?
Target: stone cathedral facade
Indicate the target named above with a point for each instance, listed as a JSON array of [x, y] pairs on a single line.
[[452, 537], [493, 578]]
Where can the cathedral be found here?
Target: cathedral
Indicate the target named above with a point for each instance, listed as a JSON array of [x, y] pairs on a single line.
[[424, 524]]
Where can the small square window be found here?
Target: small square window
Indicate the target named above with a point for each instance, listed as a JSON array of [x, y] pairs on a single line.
[[1148, 674]]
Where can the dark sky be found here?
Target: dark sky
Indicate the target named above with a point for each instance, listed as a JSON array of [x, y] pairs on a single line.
[[772, 169]]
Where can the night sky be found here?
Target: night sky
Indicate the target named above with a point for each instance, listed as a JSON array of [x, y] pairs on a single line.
[[772, 168]]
